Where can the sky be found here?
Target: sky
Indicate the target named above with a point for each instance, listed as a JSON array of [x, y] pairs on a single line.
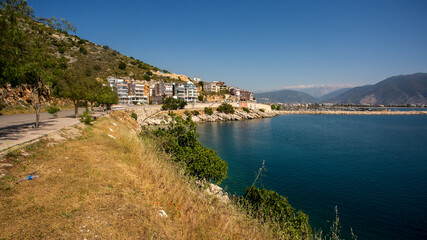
[[259, 45]]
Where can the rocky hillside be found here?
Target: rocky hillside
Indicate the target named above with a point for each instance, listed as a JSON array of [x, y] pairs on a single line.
[[397, 90]]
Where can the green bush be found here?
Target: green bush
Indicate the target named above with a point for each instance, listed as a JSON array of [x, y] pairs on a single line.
[[171, 103], [83, 50], [180, 140], [195, 113], [187, 113], [268, 205], [278, 107], [134, 116], [201, 98], [122, 65], [53, 109], [208, 110], [273, 107], [105, 47], [246, 110], [262, 109], [86, 118], [97, 67], [225, 108]]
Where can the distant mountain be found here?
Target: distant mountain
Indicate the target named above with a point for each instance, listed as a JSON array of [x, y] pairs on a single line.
[[285, 96], [397, 90], [335, 93]]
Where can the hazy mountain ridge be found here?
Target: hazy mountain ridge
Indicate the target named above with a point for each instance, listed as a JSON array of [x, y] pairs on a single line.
[[397, 90], [285, 96]]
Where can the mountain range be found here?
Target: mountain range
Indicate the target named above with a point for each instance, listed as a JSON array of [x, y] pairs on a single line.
[[397, 90]]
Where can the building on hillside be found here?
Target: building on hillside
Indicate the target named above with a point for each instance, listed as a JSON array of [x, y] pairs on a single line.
[[121, 88], [190, 92], [211, 87], [222, 86], [197, 79], [137, 92], [246, 95]]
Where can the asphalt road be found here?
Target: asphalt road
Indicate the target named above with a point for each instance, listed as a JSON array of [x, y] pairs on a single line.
[[8, 121]]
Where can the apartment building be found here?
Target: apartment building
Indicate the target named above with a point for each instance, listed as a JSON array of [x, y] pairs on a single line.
[[121, 88]]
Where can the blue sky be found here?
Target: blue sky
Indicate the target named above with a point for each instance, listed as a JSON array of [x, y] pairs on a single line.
[[259, 44]]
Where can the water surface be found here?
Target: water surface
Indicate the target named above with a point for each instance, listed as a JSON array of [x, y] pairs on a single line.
[[374, 168]]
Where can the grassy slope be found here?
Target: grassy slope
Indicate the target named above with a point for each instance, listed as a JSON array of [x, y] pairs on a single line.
[[96, 186]]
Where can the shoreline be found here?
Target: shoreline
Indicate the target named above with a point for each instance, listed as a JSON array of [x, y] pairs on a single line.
[[154, 116]]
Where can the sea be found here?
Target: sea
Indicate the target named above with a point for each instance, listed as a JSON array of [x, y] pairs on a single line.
[[373, 168]]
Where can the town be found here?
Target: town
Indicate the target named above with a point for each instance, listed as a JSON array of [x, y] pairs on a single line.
[[140, 92]]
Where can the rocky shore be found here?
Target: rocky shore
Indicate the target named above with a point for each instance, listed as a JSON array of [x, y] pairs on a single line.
[[153, 116]]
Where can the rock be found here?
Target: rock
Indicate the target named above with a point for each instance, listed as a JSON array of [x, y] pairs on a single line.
[[162, 213]]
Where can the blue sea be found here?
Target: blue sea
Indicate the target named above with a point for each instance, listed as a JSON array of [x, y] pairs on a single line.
[[372, 167]]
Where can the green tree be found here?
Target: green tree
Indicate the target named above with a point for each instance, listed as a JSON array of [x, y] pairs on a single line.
[[225, 108], [273, 107], [75, 86], [208, 110], [180, 140], [122, 65], [24, 58], [107, 97], [171, 103]]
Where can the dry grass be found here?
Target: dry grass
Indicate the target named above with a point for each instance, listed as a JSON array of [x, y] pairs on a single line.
[[99, 187]]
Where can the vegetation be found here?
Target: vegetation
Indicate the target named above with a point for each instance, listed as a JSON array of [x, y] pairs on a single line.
[[53, 109], [262, 109], [134, 116], [86, 118], [180, 140], [195, 113], [90, 182], [171, 103], [208, 111], [273, 107], [246, 109], [225, 108]]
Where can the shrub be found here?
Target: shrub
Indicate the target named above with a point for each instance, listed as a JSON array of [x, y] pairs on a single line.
[[134, 116], [201, 98], [187, 113], [273, 107], [278, 107], [195, 113], [262, 109], [122, 65], [105, 47], [171, 103], [208, 110], [86, 118], [83, 50], [225, 108], [80, 42], [246, 110], [268, 205], [180, 140], [97, 67], [53, 109], [146, 78]]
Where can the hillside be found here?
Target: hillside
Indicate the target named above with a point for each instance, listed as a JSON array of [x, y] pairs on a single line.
[[285, 96], [335, 93], [397, 90], [109, 183]]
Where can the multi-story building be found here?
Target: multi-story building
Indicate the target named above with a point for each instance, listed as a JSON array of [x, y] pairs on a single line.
[[246, 95], [122, 89], [137, 92], [190, 92], [211, 87], [197, 79], [222, 86]]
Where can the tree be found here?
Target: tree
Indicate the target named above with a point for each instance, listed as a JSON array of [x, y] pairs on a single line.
[[75, 86], [180, 140], [171, 103], [24, 59], [107, 97], [273, 107], [225, 108], [122, 65]]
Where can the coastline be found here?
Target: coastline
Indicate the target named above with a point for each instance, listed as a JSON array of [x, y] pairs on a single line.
[[155, 116]]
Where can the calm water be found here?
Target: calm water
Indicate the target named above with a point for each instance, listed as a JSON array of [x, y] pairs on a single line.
[[374, 168]]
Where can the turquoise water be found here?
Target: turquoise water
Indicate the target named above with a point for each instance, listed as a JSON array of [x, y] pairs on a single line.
[[374, 168]]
